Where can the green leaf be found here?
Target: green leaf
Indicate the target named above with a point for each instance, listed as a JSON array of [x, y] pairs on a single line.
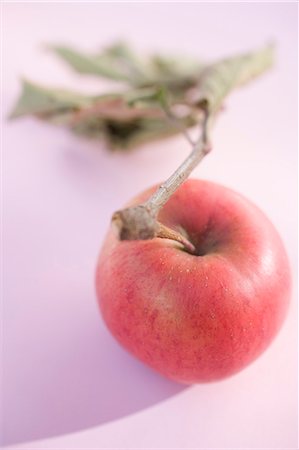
[[219, 79], [134, 66], [166, 68], [36, 99], [109, 64], [143, 96]]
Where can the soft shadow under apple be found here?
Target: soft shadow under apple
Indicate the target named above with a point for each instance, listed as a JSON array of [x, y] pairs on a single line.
[[84, 381]]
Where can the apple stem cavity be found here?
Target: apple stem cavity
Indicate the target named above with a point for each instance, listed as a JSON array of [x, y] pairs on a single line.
[[217, 81]]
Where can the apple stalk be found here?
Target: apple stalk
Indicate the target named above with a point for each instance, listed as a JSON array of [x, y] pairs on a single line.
[[140, 222]]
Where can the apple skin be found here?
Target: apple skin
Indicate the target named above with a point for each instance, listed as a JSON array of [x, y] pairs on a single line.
[[197, 318]]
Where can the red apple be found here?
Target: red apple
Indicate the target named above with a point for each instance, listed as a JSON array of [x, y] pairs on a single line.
[[197, 318]]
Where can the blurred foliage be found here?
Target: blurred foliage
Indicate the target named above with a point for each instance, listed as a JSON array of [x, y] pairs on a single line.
[[152, 90]]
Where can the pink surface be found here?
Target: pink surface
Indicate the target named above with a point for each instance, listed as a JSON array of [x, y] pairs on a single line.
[[63, 372]]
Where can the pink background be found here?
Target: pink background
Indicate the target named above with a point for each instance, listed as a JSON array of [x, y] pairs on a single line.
[[67, 384]]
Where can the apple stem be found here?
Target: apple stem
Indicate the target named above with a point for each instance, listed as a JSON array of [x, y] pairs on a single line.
[[200, 149], [140, 222]]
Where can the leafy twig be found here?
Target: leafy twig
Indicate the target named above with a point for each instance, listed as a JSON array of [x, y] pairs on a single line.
[[132, 116], [141, 221]]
